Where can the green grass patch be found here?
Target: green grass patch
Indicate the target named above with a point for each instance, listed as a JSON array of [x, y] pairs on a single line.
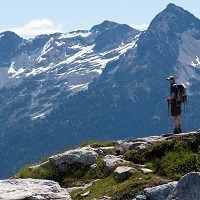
[[77, 173], [118, 190], [40, 173], [178, 162], [173, 158]]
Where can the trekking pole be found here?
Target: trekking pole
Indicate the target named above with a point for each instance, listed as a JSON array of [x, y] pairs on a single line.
[[169, 119]]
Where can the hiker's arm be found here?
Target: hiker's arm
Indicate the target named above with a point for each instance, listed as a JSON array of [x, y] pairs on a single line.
[[171, 97], [169, 100], [172, 94]]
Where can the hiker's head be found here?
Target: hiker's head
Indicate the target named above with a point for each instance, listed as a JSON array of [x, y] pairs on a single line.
[[171, 79]]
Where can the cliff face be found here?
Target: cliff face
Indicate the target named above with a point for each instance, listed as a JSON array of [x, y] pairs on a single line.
[[154, 168]]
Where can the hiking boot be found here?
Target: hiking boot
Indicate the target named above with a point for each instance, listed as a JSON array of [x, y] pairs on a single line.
[[180, 130], [176, 131]]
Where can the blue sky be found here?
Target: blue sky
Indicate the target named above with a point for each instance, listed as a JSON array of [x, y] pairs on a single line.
[[29, 18]]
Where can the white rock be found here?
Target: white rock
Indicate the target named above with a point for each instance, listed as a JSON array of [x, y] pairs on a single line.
[[146, 171], [93, 166], [85, 194], [111, 160], [123, 172], [43, 165], [84, 155], [140, 197], [16, 189]]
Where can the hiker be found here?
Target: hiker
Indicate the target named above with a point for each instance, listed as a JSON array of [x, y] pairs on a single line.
[[175, 105]]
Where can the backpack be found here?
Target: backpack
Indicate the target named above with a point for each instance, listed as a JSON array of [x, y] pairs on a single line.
[[181, 95]]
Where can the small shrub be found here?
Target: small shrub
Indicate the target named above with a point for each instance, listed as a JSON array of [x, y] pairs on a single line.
[[134, 156], [177, 163], [158, 150]]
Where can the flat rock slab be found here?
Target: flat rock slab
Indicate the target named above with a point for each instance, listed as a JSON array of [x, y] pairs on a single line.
[[123, 172], [112, 160], [32, 189]]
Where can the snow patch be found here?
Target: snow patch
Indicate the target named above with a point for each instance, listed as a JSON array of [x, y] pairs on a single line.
[[196, 63], [59, 43], [41, 116], [39, 70], [124, 48], [74, 34], [76, 47], [155, 117], [13, 72], [83, 51], [45, 49], [79, 86]]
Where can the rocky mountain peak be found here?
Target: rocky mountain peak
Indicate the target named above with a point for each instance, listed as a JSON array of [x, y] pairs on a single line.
[[174, 18], [9, 34], [9, 46], [103, 26]]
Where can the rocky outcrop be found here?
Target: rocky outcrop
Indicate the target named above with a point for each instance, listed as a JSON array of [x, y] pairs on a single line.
[[16, 189], [140, 144], [84, 155], [160, 192], [187, 188], [123, 172], [113, 165]]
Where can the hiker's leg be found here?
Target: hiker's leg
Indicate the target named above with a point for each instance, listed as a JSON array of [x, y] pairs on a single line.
[[175, 112], [179, 124], [179, 120], [176, 121], [176, 125]]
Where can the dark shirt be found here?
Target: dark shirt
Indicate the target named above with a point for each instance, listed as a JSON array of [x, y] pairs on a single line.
[[173, 89]]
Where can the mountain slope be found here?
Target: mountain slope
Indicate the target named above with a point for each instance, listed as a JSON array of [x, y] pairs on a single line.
[[42, 74]]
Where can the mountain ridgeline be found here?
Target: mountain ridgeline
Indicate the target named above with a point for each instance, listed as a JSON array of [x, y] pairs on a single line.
[[105, 83]]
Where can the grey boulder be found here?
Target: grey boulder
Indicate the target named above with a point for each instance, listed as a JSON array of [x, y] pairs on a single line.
[[160, 192], [112, 160], [84, 155], [123, 172], [16, 189], [188, 188]]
